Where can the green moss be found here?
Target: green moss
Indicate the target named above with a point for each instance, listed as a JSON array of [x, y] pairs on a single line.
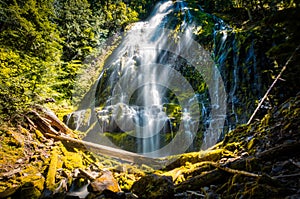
[[123, 139], [50, 180], [232, 146], [126, 181], [39, 135], [252, 143], [194, 157], [71, 160], [117, 137], [265, 120], [172, 109], [61, 110], [36, 181]]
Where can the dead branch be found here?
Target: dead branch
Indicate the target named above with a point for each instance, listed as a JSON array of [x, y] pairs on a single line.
[[53, 120], [270, 88], [233, 171], [42, 125]]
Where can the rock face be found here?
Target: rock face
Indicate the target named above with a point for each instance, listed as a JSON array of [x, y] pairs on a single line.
[[105, 182], [154, 186]]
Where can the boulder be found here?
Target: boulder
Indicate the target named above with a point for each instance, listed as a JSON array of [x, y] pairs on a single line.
[[105, 182], [154, 186]]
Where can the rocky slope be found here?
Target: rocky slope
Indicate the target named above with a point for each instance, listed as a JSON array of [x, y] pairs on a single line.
[[260, 160]]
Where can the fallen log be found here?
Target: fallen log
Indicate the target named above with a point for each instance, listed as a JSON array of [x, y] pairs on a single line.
[[106, 150], [52, 119], [41, 124], [51, 127]]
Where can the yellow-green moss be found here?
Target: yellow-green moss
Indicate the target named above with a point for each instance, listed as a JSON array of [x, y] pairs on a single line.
[[126, 181], [252, 143], [39, 135], [35, 180], [50, 181], [63, 109], [71, 160], [232, 146]]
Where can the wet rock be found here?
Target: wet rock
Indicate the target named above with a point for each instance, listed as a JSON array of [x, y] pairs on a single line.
[[9, 191], [79, 120], [78, 189], [154, 186], [77, 195], [32, 187], [105, 182], [112, 195]]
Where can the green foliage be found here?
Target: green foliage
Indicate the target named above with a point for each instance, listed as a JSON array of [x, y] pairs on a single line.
[[142, 6], [12, 86], [78, 28], [45, 45], [119, 15], [29, 50]]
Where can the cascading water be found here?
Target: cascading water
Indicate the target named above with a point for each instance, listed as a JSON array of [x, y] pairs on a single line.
[[141, 81], [238, 64], [152, 91]]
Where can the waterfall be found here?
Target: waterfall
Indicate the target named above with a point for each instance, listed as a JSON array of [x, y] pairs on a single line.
[[159, 89], [140, 88], [238, 64]]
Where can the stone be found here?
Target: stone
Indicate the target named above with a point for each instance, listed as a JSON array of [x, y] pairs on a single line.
[[105, 182], [154, 186]]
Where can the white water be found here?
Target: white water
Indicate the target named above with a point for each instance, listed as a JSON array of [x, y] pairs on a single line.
[[140, 73], [139, 79], [133, 85], [142, 82]]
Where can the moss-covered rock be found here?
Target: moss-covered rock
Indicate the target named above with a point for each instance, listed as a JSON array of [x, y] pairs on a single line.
[[154, 186], [51, 174]]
